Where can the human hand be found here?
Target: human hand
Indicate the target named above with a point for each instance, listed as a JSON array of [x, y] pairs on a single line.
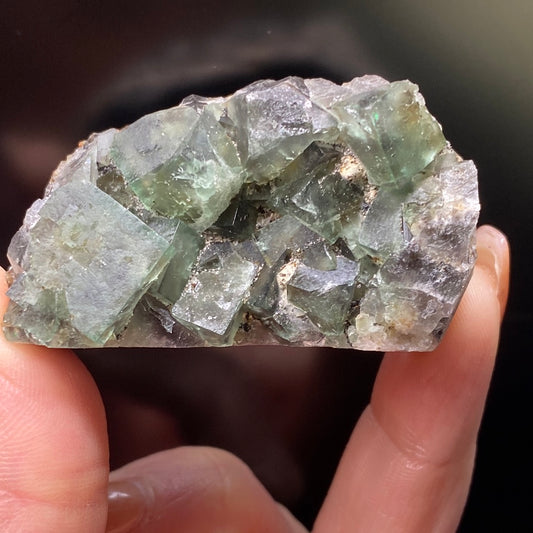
[[407, 466]]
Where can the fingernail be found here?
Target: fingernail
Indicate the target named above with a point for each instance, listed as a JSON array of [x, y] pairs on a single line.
[[491, 251], [126, 506]]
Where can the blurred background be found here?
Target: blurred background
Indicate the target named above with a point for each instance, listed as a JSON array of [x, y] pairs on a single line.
[[68, 68]]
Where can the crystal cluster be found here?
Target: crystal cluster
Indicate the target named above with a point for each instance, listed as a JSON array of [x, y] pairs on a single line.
[[294, 212]]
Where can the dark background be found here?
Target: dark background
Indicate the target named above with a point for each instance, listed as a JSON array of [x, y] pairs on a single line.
[[68, 68]]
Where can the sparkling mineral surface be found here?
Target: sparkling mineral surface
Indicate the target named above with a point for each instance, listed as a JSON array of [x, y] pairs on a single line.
[[293, 212]]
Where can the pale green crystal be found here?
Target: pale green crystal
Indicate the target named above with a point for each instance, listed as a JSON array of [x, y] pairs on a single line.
[[313, 190], [294, 211], [325, 295], [86, 251], [215, 293], [275, 121], [387, 126], [186, 244], [180, 163]]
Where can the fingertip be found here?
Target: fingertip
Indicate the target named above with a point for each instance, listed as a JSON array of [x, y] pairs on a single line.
[[4, 300], [494, 260]]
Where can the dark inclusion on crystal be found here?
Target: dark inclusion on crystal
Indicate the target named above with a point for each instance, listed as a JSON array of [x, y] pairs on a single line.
[[295, 212]]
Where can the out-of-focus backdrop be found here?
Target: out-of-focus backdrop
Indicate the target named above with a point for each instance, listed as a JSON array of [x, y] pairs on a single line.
[[68, 68]]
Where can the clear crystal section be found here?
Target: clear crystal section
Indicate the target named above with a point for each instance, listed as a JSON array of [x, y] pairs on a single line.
[[294, 212]]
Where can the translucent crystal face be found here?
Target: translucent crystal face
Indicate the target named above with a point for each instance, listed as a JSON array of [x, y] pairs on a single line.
[[295, 211]]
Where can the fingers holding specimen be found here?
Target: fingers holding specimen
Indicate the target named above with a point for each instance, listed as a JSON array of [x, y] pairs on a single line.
[[53, 441], [432, 403], [409, 461]]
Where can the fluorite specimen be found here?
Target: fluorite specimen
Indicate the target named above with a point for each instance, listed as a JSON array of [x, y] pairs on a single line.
[[293, 212]]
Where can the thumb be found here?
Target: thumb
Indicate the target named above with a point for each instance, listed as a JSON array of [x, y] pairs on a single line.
[[193, 488], [53, 441]]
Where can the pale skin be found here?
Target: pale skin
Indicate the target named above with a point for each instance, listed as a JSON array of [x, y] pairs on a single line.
[[407, 466]]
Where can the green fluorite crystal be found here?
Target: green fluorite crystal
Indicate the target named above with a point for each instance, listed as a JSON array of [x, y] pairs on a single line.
[[294, 212]]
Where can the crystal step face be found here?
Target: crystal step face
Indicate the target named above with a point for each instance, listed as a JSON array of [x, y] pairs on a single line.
[[295, 212]]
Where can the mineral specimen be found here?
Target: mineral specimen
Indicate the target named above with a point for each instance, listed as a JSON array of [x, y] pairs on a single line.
[[292, 212]]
